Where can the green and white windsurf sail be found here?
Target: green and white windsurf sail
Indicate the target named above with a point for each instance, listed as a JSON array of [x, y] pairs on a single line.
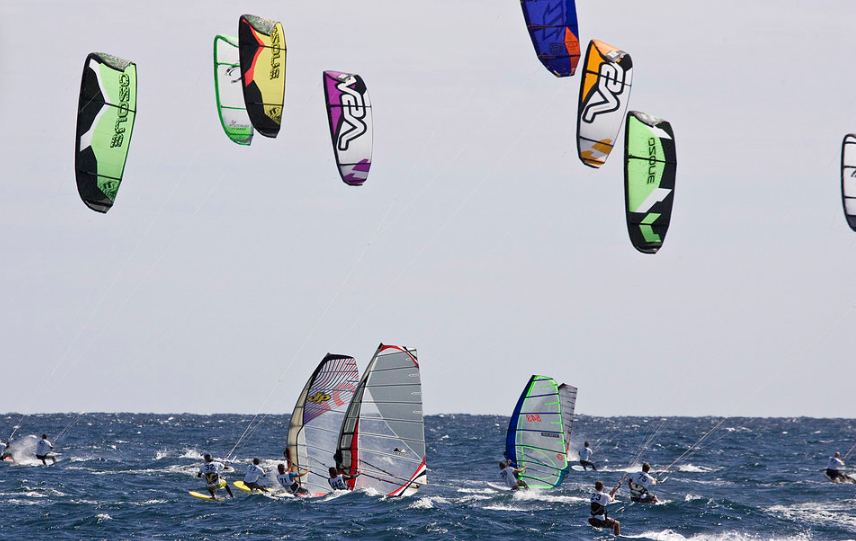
[[105, 120], [536, 435], [317, 419], [229, 91], [650, 164]]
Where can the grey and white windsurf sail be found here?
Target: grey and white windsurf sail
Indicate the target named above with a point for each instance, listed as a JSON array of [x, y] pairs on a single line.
[[568, 402], [317, 419], [848, 179], [383, 435]]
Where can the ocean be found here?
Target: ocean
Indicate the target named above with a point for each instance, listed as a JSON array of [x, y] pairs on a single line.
[[127, 476]]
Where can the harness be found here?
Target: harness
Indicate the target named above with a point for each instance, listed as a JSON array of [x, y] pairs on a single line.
[[637, 491], [598, 509]]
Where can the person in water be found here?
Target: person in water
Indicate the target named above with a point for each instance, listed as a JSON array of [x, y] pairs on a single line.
[[833, 466], [585, 457], [211, 470], [43, 449], [640, 483], [252, 476], [291, 480], [509, 475], [599, 500], [337, 478]]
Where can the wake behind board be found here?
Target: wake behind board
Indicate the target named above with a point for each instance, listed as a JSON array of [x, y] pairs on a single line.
[[206, 497]]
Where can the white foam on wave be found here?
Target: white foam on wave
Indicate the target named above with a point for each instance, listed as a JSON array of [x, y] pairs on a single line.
[[541, 496], [103, 517], [670, 535], [816, 513], [427, 502], [503, 508], [191, 453], [695, 469]]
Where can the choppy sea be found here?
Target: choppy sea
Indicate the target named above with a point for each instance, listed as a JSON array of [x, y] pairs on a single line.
[[127, 476]]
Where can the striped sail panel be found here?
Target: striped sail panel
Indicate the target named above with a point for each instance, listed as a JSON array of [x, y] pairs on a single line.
[[317, 419], [105, 120], [650, 167], [229, 91], [349, 112], [535, 438], [261, 44], [553, 29], [604, 96], [383, 434], [848, 178], [568, 402]]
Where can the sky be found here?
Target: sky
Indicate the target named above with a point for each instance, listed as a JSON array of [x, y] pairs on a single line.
[[223, 274]]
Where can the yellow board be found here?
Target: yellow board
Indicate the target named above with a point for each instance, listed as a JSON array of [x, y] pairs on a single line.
[[241, 486], [206, 497]]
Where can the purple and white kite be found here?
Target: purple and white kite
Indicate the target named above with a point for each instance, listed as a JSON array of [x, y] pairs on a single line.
[[349, 111]]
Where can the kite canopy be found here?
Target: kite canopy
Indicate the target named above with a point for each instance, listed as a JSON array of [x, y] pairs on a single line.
[[317, 419], [650, 164], [536, 435], [383, 434], [604, 95], [552, 25], [262, 58], [105, 121], [848, 178], [349, 111], [229, 92]]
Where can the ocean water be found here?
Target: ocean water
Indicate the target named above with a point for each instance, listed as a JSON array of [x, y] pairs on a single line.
[[127, 476]]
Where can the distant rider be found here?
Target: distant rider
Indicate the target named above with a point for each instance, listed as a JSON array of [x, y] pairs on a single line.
[[337, 479], [43, 449], [509, 475], [833, 467], [252, 476], [4, 450], [211, 470], [640, 484], [585, 457], [290, 480], [599, 500]]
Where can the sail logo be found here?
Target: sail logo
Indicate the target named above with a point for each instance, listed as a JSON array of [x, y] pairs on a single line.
[[275, 53], [353, 113], [610, 85], [319, 397], [122, 112], [553, 23], [652, 160], [533, 418], [549, 435]]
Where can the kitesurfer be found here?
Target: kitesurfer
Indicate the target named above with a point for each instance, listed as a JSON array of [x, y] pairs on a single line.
[[509, 475], [252, 476], [290, 480], [599, 500], [585, 455], [4, 450], [833, 467], [640, 483], [337, 479], [43, 449], [211, 470]]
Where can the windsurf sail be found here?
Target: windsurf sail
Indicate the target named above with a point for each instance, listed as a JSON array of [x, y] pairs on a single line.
[[105, 121], [552, 26], [568, 402], [650, 164], [317, 419], [261, 44], [536, 438], [383, 435], [848, 178], [349, 112], [229, 91], [604, 95]]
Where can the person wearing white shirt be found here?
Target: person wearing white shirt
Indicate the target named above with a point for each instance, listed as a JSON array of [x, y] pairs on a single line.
[[43, 449], [252, 476], [833, 467], [599, 500], [640, 484], [585, 457], [337, 479], [211, 470], [509, 475]]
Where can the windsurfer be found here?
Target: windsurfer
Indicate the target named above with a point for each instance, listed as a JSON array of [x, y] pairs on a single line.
[[599, 500], [290, 480], [252, 476], [43, 449], [585, 456], [211, 470], [509, 475], [640, 483], [833, 467]]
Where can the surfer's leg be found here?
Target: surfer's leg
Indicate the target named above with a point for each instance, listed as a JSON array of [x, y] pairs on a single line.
[[617, 528], [229, 490]]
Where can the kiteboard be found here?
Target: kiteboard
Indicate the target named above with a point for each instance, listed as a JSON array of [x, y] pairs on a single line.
[[577, 467], [8, 459], [241, 486], [847, 478], [206, 497]]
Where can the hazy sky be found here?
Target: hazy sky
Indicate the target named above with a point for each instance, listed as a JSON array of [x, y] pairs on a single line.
[[223, 274]]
